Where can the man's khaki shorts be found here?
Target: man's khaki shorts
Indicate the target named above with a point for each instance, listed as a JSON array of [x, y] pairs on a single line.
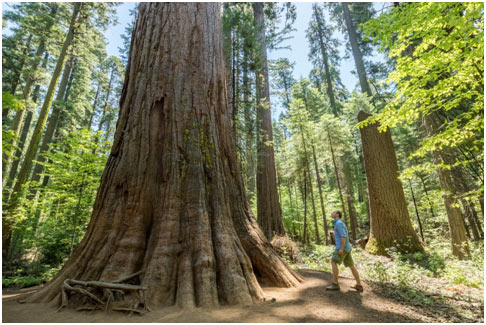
[[346, 258]]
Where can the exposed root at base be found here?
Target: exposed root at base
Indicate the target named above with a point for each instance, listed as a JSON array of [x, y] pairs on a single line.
[[115, 295]]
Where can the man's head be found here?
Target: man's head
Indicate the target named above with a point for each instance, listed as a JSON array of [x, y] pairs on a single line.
[[336, 214]]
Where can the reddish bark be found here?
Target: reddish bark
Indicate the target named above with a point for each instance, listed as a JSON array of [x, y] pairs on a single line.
[[171, 201]]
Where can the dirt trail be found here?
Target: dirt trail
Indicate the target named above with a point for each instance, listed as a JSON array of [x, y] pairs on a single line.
[[307, 303]]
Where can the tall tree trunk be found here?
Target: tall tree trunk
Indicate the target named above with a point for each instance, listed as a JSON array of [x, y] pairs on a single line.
[[235, 81], [19, 116], [269, 212], [52, 123], [325, 60], [314, 213], [459, 243], [7, 216], [307, 169], [18, 120], [390, 222], [337, 175], [421, 177], [249, 129], [171, 200], [416, 211], [468, 214], [348, 190], [25, 132], [95, 102], [321, 198], [18, 72], [304, 201], [301, 236], [358, 58]]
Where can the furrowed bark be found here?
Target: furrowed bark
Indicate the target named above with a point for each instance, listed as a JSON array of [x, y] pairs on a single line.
[[390, 222], [269, 212], [171, 201]]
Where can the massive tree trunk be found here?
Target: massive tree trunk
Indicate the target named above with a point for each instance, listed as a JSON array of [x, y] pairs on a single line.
[[171, 201], [460, 245], [390, 222], [358, 58], [269, 212], [8, 220]]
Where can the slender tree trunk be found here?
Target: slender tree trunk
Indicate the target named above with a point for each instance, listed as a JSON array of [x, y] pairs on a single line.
[[95, 102], [337, 175], [349, 193], [459, 243], [171, 200], [249, 130], [25, 132], [304, 200], [269, 212], [314, 213], [52, 123], [390, 222], [19, 116], [416, 211], [468, 213], [358, 58], [18, 74], [13, 89], [7, 217], [321, 198], [325, 61], [300, 234], [104, 109], [427, 195]]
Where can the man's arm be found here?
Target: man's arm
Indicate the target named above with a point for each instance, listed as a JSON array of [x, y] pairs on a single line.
[[341, 249]]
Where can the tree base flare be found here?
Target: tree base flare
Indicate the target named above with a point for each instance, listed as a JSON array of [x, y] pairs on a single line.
[[381, 247]]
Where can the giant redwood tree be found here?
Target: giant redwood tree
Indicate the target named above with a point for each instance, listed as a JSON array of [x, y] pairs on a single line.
[[171, 203], [390, 222]]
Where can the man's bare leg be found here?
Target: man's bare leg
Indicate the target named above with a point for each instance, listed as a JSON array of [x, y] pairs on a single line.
[[355, 274], [335, 272]]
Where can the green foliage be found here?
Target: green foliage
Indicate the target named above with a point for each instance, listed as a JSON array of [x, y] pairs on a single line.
[[11, 102], [438, 49], [21, 281], [56, 223]]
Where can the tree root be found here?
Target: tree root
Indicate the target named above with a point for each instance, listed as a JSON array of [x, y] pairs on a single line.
[[102, 294]]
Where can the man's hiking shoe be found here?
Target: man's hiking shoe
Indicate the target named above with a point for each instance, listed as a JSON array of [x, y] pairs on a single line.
[[357, 287], [333, 286]]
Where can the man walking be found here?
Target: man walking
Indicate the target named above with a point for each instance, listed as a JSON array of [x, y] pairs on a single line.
[[342, 254]]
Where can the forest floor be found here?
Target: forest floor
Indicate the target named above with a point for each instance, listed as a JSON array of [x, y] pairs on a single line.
[[309, 302]]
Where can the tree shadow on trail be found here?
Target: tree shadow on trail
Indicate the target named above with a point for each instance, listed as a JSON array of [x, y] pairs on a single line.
[[347, 305]]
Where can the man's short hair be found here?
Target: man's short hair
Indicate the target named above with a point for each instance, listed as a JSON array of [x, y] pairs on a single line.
[[337, 212]]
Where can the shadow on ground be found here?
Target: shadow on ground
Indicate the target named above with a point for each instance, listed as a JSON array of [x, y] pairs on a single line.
[[309, 302]]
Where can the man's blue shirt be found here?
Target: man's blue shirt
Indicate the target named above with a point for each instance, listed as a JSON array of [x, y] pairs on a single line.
[[340, 230]]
